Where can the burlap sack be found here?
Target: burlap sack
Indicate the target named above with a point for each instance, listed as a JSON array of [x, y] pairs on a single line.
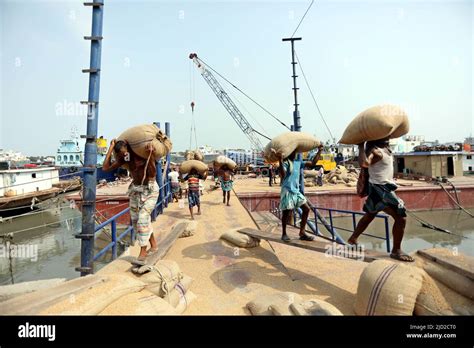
[[223, 160], [186, 167], [274, 303], [163, 277], [375, 123], [314, 307], [198, 156], [310, 173], [139, 303], [240, 239], [138, 138], [388, 288], [288, 142], [180, 289]]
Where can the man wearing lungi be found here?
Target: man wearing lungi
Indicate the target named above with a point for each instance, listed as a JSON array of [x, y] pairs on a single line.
[[143, 191], [377, 157]]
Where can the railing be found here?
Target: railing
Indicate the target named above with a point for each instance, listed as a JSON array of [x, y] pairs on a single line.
[[129, 230], [275, 209]]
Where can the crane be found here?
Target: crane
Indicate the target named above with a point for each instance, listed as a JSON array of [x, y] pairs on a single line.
[[224, 98]]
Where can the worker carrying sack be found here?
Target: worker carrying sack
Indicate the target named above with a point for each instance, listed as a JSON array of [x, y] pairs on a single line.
[[223, 160], [288, 142], [378, 122], [187, 166], [140, 136]]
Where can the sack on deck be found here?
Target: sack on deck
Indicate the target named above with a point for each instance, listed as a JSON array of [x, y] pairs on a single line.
[[139, 137], [375, 123], [240, 239], [314, 307], [280, 302], [388, 288], [163, 277], [288, 142], [187, 166]]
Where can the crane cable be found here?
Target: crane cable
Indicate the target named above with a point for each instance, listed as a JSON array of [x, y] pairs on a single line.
[[314, 98], [245, 94], [192, 95], [301, 21], [253, 118]]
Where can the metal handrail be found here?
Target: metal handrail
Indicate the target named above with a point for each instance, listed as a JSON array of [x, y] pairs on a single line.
[[129, 230], [275, 210]]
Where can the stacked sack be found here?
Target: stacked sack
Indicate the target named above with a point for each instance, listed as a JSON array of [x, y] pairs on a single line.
[[166, 281], [289, 142], [193, 155], [289, 303], [140, 136], [378, 122], [342, 175]]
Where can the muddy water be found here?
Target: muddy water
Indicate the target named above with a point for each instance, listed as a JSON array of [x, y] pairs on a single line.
[[418, 237], [44, 246]]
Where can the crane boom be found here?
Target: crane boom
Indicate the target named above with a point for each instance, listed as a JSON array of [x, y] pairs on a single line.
[[228, 103]]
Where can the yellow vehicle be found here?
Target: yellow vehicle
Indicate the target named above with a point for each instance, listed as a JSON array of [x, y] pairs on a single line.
[[327, 162]]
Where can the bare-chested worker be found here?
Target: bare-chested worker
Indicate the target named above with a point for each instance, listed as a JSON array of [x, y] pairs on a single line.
[[143, 191]]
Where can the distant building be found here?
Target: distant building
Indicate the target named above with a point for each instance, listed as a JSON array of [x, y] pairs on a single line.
[[244, 157], [15, 182], [468, 161], [406, 143], [431, 164]]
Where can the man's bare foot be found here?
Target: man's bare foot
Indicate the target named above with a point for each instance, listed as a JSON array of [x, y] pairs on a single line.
[[228, 204], [198, 213], [401, 256]]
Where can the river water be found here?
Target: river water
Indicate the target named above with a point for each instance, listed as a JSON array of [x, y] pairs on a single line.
[[44, 246], [52, 251]]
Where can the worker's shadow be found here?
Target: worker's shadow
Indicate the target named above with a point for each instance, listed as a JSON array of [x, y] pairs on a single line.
[[234, 273]]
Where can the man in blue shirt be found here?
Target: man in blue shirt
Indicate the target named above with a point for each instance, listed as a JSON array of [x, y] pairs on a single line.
[[290, 197]]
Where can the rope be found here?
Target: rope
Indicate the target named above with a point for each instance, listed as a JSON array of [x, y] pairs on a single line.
[[146, 167], [245, 94], [301, 21], [314, 98], [454, 201], [434, 227]]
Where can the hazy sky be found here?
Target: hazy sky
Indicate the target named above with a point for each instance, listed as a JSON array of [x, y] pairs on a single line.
[[356, 54]]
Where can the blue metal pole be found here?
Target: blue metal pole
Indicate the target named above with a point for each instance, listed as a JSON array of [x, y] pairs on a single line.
[[90, 151], [114, 239], [159, 180], [387, 234], [167, 169]]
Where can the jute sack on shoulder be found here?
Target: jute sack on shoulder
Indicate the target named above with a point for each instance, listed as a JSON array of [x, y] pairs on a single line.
[[198, 156], [288, 142], [274, 303], [314, 307], [240, 239], [388, 288], [187, 166], [378, 122], [139, 137], [223, 160]]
